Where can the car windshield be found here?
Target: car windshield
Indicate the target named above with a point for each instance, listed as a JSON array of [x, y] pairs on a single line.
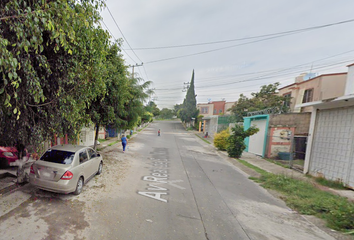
[[57, 156]]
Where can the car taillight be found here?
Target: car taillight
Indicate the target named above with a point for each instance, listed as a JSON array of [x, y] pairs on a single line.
[[32, 170], [67, 175]]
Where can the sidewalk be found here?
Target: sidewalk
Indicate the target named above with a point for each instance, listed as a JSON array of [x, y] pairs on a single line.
[[276, 169]]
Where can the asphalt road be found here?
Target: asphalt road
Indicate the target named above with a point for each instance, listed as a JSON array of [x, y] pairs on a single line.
[[172, 186]]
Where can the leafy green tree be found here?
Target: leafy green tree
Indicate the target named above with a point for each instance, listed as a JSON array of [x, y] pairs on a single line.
[[133, 105], [266, 98], [147, 117], [106, 108], [50, 59], [166, 113], [190, 110], [236, 140], [176, 108], [152, 107]]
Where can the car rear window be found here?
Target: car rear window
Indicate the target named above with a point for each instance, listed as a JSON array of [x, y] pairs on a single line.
[[57, 156]]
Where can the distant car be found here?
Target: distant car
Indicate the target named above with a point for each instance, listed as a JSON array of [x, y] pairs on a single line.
[[7, 156], [66, 168]]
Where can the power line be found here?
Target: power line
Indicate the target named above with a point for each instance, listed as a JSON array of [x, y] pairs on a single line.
[[242, 44], [273, 72], [213, 50], [266, 77], [116, 39], [122, 33], [247, 38], [126, 42], [263, 77]]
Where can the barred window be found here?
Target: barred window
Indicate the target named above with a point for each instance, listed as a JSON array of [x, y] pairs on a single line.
[[287, 101], [308, 94], [205, 110]]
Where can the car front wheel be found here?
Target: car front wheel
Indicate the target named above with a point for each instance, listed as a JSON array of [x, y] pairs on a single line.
[[79, 186], [100, 168]]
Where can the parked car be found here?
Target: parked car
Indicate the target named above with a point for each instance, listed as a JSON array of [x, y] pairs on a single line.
[[66, 168], [7, 155]]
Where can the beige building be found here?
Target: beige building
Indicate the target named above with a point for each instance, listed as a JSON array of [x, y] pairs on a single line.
[[205, 109], [214, 108], [228, 105], [320, 88]]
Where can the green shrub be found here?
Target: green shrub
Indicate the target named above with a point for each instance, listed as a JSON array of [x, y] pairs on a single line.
[[128, 136], [236, 140], [220, 139]]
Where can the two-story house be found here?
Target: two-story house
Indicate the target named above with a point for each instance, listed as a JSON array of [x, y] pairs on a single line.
[[306, 90], [322, 87], [211, 115], [214, 108], [330, 148]]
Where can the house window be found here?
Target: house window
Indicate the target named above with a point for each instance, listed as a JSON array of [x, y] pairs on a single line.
[[287, 101], [308, 94], [205, 110], [214, 111], [220, 111]]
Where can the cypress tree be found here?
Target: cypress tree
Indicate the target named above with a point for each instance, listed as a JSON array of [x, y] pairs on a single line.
[[190, 103]]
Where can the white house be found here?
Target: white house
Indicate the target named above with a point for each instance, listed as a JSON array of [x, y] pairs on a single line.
[[330, 147]]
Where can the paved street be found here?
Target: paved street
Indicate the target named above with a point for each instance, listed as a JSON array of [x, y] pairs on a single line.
[[170, 187]]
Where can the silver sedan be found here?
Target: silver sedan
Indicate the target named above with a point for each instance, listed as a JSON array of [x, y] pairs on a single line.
[[66, 168]]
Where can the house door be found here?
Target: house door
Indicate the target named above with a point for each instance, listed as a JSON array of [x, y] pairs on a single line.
[[257, 141]]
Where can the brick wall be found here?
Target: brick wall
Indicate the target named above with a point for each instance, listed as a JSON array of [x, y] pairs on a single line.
[[300, 121]]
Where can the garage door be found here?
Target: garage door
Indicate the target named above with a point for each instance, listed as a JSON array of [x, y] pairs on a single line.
[[257, 141], [332, 151]]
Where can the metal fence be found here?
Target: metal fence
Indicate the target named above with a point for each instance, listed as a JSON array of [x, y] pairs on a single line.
[[287, 150]]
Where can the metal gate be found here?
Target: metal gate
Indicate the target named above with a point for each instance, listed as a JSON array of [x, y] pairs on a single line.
[[257, 141], [332, 147]]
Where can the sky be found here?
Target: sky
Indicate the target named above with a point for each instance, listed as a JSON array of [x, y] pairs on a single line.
[[233, 46]]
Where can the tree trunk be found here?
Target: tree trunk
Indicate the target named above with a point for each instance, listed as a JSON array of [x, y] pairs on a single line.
[[96, 136]]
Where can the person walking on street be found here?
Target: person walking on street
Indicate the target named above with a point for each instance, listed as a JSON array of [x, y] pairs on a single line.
[[124, 142], [158, 132]]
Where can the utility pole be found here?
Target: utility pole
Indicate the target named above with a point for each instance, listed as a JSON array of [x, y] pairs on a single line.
[[136, 65], [185, 88]]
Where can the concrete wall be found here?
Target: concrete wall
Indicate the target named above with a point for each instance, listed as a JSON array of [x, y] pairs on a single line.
[[331, 153], [300, 121], [333, 86], [102, 133], [228, 105], [349, 88], [279, 140], [211, 125], [87, 136]]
